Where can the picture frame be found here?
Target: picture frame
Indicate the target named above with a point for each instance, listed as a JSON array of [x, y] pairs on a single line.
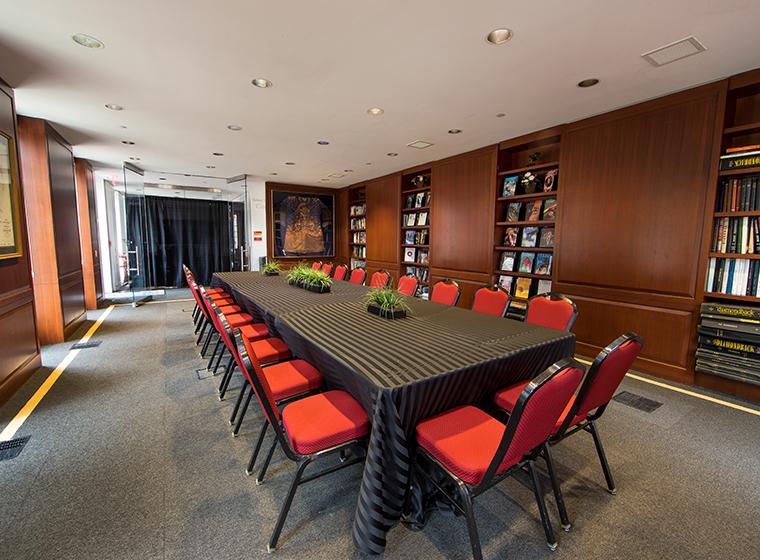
[[302, 223], [11, 242]]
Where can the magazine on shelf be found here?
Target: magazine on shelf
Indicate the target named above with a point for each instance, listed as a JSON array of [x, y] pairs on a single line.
[[550, 209], [419, 200], [550, 180], [508, 261], [513, 211], [422, 219], [506, 283], [529, 235], [510, 236], [544, 286], [410, 255], [547, 237], [522, 288], [509, 187], [526, 262], [410, 237], [533, 211], [543, 264]]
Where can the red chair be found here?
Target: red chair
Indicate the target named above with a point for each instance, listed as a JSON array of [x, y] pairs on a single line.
[[446, 292], [407, 285], [316, 265], [200, 315], [307, 430], [340, 272], [603, 378], [327, 268], [477, 451], [493, 300], [380, 279], [357, 276], [551, 310]]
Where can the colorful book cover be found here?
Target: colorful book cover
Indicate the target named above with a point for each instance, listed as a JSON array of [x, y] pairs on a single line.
[[550, 180], [510, 236], [550, 209], [544, 286], [419, 201], [543, 263], [513, 211], [547, 237], [522, 289], [529, 236], [528, 182], [410, 255], [506, 283], [510, 186], [526, 262], [410, 237], [508, 261], [533, 211]]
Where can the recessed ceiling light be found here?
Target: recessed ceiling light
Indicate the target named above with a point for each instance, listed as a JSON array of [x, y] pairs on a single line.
[[454, 131], [219, 154], [375, 111], [162, 178], [209, 167], [348, 171], [128, 142], [391, 154], [215, 190], [323, 142], [114, 107], [336, 175], [123, 126], [88, 41], [325, 180], [261, 82], [289, 163], [234, 127], [499, 36], [133, 158], [273, 173], [419, 144], [588, 82], [500, 115], [368, 163]]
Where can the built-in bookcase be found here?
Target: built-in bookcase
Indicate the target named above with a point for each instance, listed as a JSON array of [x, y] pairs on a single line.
[[416, 196], [526, 210], [357, 226]]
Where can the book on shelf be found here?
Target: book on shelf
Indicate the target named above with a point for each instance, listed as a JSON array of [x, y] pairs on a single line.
[[510, 236], [419, 200], [358, 209], [740, 160], [550, 180], [738, 194], [506, 283], [529, 235], [410, 237], [731, 324], [423, 236], [736, 235], [422, 256], [543, 263], [509, 186], [360, 237], [550, 209], [409, 203], [410, 219], [422, 219], [508, 261], [358, 263], [736, 277], [358, 223], [729, 334], [513, 212], [738, 149], [410, 255], [522, 288], [533, 211], [529, 182], [547, 237], [736, 312], [544, 286], [526, 262], [731, 346]]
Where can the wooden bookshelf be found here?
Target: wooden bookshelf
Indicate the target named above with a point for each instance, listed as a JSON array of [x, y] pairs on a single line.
[[357, 215], [744, 171], [735, 255], [537, 167], [416, 194]]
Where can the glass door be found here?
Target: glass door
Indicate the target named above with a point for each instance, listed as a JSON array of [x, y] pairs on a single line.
[[135, 234], [237, 199]]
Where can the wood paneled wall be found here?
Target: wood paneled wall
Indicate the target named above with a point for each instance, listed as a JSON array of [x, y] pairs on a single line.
[[383, 229], [19, 356], [47, 171], [88, 233]]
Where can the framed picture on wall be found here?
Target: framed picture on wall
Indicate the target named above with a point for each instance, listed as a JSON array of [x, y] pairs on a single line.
[[10, 221], [303, 224]]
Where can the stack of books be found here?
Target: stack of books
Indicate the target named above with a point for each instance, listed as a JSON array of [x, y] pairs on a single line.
[[729, 342]]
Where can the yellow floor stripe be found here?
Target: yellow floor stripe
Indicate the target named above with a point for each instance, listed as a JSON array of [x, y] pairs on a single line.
[[685, 391], [18, 420]]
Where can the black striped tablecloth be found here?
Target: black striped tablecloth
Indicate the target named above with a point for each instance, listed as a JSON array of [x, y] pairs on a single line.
[[401, 371]]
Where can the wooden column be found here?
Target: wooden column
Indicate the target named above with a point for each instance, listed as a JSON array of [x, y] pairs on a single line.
[[88, 241]]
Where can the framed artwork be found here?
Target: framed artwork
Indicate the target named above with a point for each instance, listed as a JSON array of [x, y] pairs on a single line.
[[10, 222], [302, 224]]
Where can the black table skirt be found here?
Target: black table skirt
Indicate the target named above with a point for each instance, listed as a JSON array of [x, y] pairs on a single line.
[[401, 371]]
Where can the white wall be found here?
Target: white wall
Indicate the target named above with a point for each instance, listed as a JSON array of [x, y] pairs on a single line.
[[256, 219]]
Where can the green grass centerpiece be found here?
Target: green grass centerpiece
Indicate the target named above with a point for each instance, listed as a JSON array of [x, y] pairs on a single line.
[[309, 279], [272, 268], [387, 303]]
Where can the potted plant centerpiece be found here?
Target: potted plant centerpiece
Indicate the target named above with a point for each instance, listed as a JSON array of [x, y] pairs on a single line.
[[387, 303], [297, 274], [272, 268], [317, 281]]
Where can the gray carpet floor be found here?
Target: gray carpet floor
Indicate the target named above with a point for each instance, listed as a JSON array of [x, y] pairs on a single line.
[[131, 456]]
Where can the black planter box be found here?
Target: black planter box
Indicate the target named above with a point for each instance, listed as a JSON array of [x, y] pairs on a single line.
[[271, 274], [317, 289], [386, 313]]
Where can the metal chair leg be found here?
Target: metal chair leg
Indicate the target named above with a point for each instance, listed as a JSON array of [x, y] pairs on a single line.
[[209, 336], [213, 353], [472, 527], [219, 359], [265, 466], [243, 389], [242, 414], [226, 380], [538, 491], [252, 461], [200, 330], [566, 525], [286, 506], [602, 458]]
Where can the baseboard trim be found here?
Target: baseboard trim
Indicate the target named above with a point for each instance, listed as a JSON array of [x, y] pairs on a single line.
[[18, 377]]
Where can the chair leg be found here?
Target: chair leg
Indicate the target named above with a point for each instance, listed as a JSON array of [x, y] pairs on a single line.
[[566, 525], [286, 506], [252, 462], [472, 527], [538, 491], [602, 458], [213, 353], [265, 466], [200, 329], [242, 414], [243, 389], [219, 359], [226, 380], [196, 311], [206, 343]]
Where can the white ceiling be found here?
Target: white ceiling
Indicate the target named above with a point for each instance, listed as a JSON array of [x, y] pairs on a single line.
[[183, 68]]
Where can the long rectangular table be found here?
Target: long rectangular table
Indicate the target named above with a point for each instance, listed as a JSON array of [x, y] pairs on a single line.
[[401, 371]]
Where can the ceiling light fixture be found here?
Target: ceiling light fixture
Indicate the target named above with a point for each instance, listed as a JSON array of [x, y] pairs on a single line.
[[368, 163], [207, 167], [215, 190], [162, 178], [588, 82], [128, 142], [273, 173], [454, 131], [391, 154], [261, 83], [133, 158], [235, 127], [323, 142], [114, 107], [289, 163], [375, 111], [499, 36], [123, 126], [87, 41], [325, 180], [419, 144], [218, 154], [348, 171]]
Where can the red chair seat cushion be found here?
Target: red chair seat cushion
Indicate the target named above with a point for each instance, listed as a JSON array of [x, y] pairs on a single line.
[[323, 421], [291, 378], [254, 331], [224, 301], [506, 399], [464, 440], [230, 309], [237, 320], [270, 350], [214, 291]]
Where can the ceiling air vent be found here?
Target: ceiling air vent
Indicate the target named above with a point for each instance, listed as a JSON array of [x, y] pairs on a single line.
[[674, 51], [419, 144]]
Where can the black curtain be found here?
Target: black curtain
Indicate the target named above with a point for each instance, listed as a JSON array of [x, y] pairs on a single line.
[[180, 231]]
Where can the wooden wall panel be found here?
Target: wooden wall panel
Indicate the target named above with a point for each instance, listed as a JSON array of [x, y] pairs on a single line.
[[383, 223], [88, 237], [342, 254]]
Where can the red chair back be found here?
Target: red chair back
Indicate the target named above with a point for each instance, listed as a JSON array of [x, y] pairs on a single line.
[[316, 265], [407, 285], [357, 276], [535, 415], [221, 325], [195, 290], [551, 310], [493, 300], [380, 279], [446, 291], [251, 367], [340, 272], [327, 268]]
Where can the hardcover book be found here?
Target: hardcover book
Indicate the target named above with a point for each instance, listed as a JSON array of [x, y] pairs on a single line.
[[526, 262], [423, 256], [506, 283], [529, 236], [513, 212], [543, 263], [544, 286], [419, 200], [510, 186], [547, 237], [522, 288], [550, 180], [422, 219], [510, 236], [508, 261], [409, 201], [410, 219], [550, 209], [410, 254], [533, 211], [410, 237]]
